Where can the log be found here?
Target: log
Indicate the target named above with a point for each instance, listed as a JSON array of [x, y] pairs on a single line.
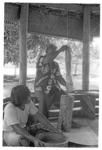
[[65, 114]]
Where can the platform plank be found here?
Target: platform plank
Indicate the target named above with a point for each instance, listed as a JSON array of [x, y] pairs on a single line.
[[87, 134], [94, 125], [83, 136]]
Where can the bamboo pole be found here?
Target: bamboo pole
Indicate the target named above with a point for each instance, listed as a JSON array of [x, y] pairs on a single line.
[[66, 102], [68, 70]]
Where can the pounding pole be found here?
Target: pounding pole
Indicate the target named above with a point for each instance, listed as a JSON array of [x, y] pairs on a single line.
[[23, 27], [68, 70], [66, 102], [86, 42]]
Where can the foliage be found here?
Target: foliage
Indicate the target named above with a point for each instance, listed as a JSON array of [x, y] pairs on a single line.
[[36, 45], [94, 50], [11, 45]]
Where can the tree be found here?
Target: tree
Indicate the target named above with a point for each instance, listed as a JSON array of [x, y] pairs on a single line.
[[76, 47], [11, 45], [94, 50], [36, 45]]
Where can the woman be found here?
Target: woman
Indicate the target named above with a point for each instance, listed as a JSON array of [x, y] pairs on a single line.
[[48, 79], [16, 114]]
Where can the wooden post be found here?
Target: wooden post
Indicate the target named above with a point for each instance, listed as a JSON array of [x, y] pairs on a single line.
[[86, 42], [22, 37]]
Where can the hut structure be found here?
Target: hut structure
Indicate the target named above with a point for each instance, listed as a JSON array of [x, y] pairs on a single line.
[[76, 21]]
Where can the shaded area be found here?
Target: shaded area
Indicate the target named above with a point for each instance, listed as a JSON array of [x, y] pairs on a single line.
[[71, 144], [12, 78]]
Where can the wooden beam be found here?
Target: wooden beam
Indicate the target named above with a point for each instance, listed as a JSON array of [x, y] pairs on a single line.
[[42, 22], [78, 8], [95, 9], [61, 6], [22, 38], [86, 41], [12, 11], [55, 25], [95, 25]]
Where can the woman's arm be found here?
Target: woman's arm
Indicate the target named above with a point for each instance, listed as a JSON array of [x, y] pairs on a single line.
[[50, 58], [61, 80], [59, 77], [45, 122]]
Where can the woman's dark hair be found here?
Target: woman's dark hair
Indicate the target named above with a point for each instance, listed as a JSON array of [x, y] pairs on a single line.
[[19, 95], [51, 46]]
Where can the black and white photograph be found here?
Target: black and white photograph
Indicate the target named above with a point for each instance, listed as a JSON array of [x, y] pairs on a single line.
[[51, 61]]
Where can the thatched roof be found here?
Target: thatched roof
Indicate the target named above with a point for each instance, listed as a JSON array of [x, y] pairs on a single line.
[[56, 19]]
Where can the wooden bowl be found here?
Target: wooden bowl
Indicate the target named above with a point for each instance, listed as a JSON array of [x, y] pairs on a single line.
[[50, 139]]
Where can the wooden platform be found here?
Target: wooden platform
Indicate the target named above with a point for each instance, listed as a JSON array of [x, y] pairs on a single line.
[[86, 135]]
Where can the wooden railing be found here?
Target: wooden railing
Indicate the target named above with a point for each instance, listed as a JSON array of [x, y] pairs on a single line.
[[86, 104]]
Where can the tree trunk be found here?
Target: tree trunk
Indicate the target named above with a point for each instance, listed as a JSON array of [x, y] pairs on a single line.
[[65, 115]]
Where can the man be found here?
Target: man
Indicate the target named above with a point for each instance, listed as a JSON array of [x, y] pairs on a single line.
[[48, 78], [15, 129]]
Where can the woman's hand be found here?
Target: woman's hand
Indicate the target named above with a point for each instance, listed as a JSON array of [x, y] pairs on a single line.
[[64, 48], [38, 143]]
